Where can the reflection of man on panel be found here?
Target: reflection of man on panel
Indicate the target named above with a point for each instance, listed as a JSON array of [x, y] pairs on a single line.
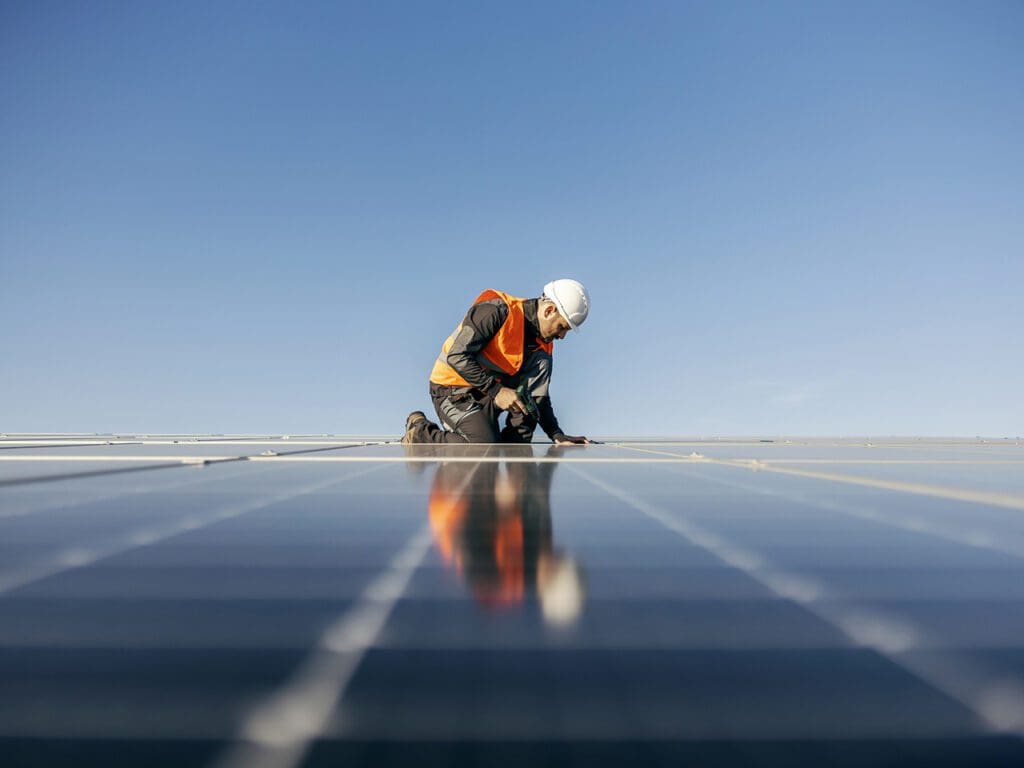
[[492, 523], [503, 344]]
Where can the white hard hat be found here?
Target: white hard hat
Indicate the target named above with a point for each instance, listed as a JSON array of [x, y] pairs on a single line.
[[571, 299]]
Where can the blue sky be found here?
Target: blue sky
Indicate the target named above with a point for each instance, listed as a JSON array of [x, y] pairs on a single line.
[[793, 218]]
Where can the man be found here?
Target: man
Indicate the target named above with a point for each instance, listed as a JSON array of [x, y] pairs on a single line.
[[502, 344]]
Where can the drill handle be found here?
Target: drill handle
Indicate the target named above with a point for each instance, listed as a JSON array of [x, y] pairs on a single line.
[[528, 401]]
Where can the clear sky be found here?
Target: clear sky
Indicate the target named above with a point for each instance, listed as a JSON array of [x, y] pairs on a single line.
[[800, 218]]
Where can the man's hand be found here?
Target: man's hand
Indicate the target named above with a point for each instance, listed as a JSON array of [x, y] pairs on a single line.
[[572, 440], [508, 400]]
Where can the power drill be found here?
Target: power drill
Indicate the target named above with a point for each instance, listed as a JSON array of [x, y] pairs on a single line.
[[527, 400]]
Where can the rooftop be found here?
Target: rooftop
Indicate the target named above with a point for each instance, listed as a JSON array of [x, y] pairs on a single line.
[[310, 600]]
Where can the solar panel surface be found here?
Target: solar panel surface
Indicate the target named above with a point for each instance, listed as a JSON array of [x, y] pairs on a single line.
[[310, 600]]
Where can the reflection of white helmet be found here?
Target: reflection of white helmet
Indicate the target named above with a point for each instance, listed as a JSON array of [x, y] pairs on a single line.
[[562, 592], [571, 299]]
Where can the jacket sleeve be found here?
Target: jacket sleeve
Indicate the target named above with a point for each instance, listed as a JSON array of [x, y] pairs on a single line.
[[479, 326], [547, 419]]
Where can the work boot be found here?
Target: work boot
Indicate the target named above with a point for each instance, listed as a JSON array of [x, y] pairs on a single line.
[[413, 422]]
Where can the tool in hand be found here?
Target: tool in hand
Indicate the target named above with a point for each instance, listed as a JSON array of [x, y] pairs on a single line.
[[524, 397]]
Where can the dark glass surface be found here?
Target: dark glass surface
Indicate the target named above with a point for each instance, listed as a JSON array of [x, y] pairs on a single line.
[[617, 604]]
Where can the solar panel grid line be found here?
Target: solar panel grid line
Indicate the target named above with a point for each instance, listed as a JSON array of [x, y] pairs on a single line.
[[150, 461], [1010, 501], [292, 449], [890, 636], [983, 449], [1000, 705], [750, 464], [7, 447], [31, 445], [977, 538], [897, 462], [80, 556], [866, 442], [117, 444], [283, 458], [994, 693], [305, 451], [149, 465], [866, 451], [936, 449], [260, 440], [143, 458], [969, 536], [17, 510], [273, 441], [36, 437], [279, 732], [985, 477], [487, 460], [114, 458], [174, 459]]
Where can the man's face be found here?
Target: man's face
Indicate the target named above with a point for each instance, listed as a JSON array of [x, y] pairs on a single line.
[[551, 324]]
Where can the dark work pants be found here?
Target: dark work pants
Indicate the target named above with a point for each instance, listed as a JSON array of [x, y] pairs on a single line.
[[472, 417]]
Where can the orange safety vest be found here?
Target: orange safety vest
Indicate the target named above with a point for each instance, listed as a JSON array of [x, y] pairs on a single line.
[[504, 351]]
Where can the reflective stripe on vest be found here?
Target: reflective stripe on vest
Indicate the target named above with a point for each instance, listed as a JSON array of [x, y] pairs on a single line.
[[504, 352]]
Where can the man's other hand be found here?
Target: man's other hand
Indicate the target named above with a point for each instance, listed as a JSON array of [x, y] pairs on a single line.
[[572, 440], [508, 400]]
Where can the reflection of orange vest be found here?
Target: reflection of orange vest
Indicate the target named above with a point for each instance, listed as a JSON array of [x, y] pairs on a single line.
[[496, 583], [504, 352], [447, 513], [508, 554]]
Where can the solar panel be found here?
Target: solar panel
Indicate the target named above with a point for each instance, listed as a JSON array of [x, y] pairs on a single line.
[[230, 601]]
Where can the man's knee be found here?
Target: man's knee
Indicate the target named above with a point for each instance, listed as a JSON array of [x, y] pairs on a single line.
[[474, 431], [467, 420]]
